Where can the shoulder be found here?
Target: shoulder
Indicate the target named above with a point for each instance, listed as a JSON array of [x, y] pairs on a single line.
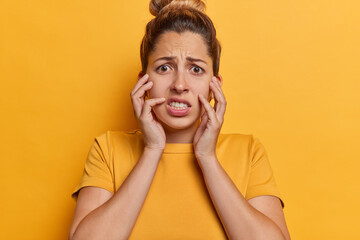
[[246, 147], [234, 149], [238, 137], [236, 141], [115, 144], [118, 138]]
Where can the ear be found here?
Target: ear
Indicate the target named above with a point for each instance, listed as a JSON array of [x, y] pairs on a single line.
[[211, 94], [220, 79], [140, 75]]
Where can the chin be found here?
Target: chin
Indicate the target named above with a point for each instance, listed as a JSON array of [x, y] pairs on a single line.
[[172, 123], [179, 124]]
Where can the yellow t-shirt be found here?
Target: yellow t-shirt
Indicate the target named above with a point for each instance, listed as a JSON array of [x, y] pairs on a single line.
[[178, 205]]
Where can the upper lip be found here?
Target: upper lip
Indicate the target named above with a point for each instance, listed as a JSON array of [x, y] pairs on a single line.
[[179, 100]]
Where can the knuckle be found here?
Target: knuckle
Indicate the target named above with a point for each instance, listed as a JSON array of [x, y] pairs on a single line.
[[141, 119], [147, 102], [222, 101]]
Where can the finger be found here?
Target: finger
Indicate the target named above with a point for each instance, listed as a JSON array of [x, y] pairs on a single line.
[[216, 81], [138, 98], [151, 103], [203, 115], [141, 91], [204, 119], [220, 101], [216, 84], [140, 83], [208, 108], [202, 126]]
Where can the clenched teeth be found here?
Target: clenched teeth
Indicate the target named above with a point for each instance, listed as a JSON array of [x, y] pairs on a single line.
[[177, 105]]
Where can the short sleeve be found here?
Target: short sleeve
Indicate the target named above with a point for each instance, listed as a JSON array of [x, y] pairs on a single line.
[[96, 171], [261, 180]]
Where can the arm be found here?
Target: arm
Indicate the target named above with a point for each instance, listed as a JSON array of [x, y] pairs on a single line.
[[100, 216], [259, 218]]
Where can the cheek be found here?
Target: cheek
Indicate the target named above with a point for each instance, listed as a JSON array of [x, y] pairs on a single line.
[[159, 86], [155, 91], [204, 90]]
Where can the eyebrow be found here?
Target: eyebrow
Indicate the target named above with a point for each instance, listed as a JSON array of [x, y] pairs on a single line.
[[187, 58]]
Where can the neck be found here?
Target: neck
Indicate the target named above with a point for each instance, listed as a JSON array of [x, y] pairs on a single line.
[[180, 135]]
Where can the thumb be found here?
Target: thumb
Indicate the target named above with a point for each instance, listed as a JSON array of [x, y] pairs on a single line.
[[151, 103]]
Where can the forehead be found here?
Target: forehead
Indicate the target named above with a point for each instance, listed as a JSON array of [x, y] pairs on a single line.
[[186, 44]]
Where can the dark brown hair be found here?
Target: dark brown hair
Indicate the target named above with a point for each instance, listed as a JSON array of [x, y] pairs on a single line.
[[179, 16]]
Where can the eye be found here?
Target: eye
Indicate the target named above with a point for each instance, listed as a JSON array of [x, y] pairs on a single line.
[[163, 68], [197, 70]]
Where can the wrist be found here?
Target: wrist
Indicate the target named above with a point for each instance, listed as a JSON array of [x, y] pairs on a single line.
[[205, 156], [207, 162], [152, 155], [154, 146], [153, 150]]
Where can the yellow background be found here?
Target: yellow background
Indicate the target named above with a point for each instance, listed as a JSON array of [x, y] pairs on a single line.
[[291, 77]]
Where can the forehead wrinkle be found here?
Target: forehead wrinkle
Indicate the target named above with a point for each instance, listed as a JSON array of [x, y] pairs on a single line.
[[180, 48], [176, 56]]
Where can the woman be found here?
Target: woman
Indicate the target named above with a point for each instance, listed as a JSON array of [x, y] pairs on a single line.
[[178, 178]]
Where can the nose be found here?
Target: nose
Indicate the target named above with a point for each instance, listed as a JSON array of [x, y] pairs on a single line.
[[179, 83]]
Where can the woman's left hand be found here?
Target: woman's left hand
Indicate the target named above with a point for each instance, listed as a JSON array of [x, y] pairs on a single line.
[[206, 136]]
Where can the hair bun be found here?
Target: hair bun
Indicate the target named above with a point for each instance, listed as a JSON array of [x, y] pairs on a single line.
[[157, 5]]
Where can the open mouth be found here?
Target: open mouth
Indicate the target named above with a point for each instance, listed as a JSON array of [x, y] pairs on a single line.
[[178, 107]]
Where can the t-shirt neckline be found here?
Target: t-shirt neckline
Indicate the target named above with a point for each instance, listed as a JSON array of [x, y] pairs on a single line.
[[178, 148]]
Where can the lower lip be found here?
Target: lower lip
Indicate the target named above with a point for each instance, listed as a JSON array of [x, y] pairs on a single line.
[[178, 112]]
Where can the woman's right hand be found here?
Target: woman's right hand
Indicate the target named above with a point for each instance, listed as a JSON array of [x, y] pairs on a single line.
[[153, 132]]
